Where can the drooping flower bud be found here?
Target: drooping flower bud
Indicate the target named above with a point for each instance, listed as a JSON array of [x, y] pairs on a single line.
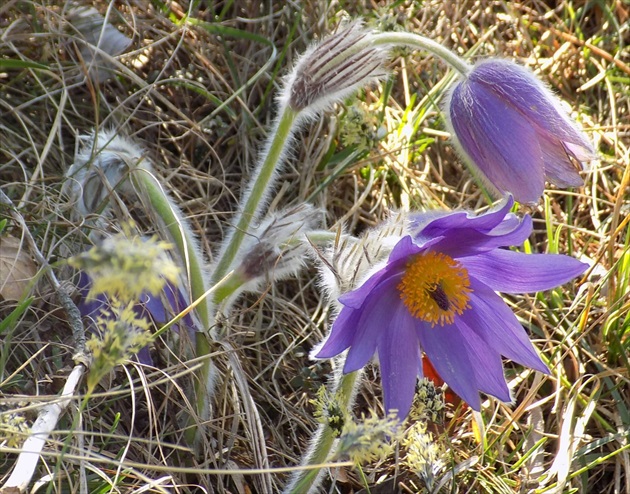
[[512, 130], [101, 166], [132, 272], [127, 267]]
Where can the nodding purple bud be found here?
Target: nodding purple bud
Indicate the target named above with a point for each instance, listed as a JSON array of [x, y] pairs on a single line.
[[159, 308], [512, 130]]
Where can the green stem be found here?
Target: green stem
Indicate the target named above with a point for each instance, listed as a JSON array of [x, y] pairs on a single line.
[[228, 286], [181, 235], [320, 450], [427, 44], [255, 199], [202, 388], [185, 243]]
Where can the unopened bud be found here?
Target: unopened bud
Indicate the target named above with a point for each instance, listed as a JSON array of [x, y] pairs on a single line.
[[334, 68], [277, 248]]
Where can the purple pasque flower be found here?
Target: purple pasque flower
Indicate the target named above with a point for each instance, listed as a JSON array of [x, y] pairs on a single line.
[[436, 294], [511, 129], [158, 308]]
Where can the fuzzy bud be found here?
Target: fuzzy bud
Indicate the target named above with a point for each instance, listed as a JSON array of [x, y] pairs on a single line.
[[334, 68], [277, 247]]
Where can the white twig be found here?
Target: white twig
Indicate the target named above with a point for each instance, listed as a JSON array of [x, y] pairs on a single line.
[[46, 422]]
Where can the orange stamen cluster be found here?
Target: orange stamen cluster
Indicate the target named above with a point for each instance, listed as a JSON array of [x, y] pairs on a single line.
[[434, 288]]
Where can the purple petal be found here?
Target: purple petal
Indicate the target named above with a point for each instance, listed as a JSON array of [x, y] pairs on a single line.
[[448, 352], [495, 323], [399, 357], [460, 234], [375, 319], [581, 152], [508, 225], [397, 259], [84, 283], [461, 219], [519, 87], [154, 305], [514, 272], [559, 168], [498, 140], [144, 356], [487, 364], [341, 335], [403, 250], [178, 303], [466, 242], [356, 298], [92, 306]]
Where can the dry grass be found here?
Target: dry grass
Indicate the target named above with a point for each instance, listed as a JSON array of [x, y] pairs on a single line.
[[195, 97]]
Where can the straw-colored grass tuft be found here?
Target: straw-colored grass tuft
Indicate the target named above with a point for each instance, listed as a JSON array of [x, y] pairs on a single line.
[[195, 89]]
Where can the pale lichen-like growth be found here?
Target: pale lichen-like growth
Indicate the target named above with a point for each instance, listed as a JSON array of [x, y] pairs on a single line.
[[122, 334], [358, 128], [330, 411], [369, 440], [13, 429], [423, 453], [429, 402], [127, 267]]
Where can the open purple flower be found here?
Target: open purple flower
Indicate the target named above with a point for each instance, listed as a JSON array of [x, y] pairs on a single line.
[[511, 128], [436, 294]]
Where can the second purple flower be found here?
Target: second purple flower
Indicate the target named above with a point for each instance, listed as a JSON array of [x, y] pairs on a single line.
[[436, 294]]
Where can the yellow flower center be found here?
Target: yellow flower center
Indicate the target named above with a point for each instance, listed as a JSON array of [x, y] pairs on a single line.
[[434, 288]]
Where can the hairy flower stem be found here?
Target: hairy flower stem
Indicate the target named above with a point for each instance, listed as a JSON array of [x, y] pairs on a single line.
[[304, 481], [181, 236], [255, 199], [422, 43]]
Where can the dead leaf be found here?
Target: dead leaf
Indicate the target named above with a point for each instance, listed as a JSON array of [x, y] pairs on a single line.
[[100, 37], [17, 269]]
